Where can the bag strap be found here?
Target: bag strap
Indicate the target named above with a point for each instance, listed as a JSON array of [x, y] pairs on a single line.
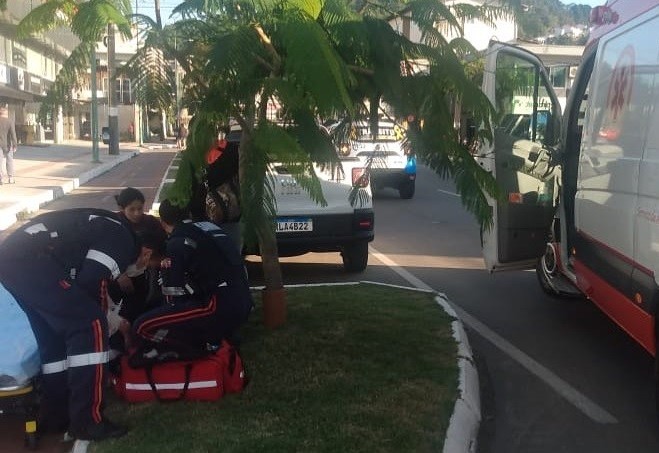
[[149, 376], [220, 203]]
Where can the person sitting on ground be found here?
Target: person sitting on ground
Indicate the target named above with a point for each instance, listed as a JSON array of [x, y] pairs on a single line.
[[57, 266], [205, 285], [138, 288]]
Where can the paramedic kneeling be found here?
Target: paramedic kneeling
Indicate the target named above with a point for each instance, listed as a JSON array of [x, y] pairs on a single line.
[[205, 285], [56, 266]]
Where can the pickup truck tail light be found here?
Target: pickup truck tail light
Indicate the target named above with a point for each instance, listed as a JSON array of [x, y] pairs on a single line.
[[360, 177], [363, 220]]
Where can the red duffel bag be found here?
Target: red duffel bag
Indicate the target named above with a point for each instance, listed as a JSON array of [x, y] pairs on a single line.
[[203, 379]]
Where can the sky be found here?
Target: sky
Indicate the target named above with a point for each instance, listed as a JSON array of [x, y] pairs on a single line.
[[584, 2]]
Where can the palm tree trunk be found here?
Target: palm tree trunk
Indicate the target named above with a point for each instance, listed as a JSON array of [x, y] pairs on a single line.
[[274, 294], [156, 6]]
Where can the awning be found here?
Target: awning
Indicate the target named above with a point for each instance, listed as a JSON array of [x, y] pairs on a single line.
[[13, 93]]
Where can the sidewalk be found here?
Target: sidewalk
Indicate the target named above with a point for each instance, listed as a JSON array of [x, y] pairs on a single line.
[[46, 172]]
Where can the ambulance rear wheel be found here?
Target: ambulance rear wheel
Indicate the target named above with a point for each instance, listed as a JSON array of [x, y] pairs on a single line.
[[545, 279]]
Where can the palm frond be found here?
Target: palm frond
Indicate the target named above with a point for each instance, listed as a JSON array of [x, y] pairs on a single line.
[[311, 8], [327, 80], [45, 17], [92, 17]]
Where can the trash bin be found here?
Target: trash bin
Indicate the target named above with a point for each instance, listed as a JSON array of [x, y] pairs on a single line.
[[105, 135]]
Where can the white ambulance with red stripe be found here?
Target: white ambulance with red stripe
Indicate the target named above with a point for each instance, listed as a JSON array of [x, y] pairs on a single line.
[[581, 192]]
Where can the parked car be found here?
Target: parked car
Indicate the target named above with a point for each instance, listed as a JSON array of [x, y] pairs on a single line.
[[391, 162], [303, 226]]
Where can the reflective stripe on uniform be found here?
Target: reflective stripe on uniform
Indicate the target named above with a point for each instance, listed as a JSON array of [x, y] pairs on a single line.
[[93, 358], [190, 242], [93, 216], [173, 291], [36, 228], [104, 259], [54, 367]]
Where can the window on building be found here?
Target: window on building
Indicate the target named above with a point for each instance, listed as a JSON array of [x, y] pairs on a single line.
[[18, 56], [558, 76], [122, 91]]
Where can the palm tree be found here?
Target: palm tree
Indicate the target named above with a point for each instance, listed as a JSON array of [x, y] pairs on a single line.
[[88, 20], [323, 59]]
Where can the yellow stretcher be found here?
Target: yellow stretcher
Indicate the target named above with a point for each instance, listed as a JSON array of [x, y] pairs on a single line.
[[22, 400]]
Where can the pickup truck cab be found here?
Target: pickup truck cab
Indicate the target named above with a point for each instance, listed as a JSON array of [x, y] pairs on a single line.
[[344, 225], [581, 191]]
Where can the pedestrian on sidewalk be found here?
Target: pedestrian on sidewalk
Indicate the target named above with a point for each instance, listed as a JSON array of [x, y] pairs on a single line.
[[8, 144]]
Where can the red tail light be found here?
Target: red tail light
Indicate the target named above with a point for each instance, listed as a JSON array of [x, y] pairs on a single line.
[[359, 177]]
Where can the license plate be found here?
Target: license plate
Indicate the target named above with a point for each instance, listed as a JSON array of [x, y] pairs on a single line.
[[294, 225]]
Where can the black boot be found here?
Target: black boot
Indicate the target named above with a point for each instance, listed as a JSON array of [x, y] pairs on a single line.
[[99, 431]]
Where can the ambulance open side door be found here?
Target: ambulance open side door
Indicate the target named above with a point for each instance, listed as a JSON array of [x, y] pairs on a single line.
[[522, 157]]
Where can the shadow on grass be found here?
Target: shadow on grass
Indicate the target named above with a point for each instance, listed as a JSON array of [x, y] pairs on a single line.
[[356, 368]]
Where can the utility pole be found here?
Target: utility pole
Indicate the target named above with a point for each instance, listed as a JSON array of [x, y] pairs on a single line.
[[138, 108], [113, 119], [94, 128]]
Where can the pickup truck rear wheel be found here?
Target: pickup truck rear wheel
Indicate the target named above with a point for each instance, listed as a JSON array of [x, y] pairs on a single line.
[[355, 256], [406, 189]]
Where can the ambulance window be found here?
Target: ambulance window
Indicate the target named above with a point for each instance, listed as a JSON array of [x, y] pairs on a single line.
[[524, 166]]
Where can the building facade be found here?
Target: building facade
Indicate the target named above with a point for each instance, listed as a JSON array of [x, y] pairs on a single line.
[[28, 67]]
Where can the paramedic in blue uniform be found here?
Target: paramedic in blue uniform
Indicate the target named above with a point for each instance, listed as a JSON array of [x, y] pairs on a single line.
[[57, 266], [205, 285]]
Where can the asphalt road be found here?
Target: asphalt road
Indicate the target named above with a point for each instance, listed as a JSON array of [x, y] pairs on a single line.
[[557, 376]]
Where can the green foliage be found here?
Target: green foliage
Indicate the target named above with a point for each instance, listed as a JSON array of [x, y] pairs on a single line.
[[346, 373], [540, 16], [88, 21]]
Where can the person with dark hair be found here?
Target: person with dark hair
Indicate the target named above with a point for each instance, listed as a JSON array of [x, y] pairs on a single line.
[[57, 267], [138, 288], [204, 281]]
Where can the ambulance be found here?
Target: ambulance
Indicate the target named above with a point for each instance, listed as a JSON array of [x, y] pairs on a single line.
[[581, 190]]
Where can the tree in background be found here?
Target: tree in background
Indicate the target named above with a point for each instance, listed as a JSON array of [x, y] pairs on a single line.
[[323, 59], [88, 21]]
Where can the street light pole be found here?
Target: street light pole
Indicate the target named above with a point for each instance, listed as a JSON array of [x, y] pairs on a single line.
[[94, 128], [113, 119]]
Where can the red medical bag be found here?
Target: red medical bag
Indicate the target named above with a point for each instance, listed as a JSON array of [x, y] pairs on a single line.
[[204, 379]]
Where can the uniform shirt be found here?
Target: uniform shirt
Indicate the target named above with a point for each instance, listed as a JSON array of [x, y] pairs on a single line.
[[201, 260], [91, 245]]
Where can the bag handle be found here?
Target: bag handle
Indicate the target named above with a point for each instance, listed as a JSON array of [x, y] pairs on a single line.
[[149, 376]]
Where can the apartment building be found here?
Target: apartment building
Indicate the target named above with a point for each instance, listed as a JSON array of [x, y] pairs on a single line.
[[27, 69]]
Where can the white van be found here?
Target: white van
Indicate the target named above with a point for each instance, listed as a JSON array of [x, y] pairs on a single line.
[[581, 193]]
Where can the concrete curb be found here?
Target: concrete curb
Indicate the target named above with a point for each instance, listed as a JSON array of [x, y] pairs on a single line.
[[462, 432], [29, 204]]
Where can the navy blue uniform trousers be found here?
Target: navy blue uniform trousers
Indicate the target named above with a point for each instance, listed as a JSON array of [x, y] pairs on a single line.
[[71, 331]]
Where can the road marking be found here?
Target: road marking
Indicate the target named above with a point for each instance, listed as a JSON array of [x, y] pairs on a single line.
[[448, 193], [564, 389]]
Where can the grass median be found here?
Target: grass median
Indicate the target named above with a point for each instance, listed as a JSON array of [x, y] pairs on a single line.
[[356, 368]]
